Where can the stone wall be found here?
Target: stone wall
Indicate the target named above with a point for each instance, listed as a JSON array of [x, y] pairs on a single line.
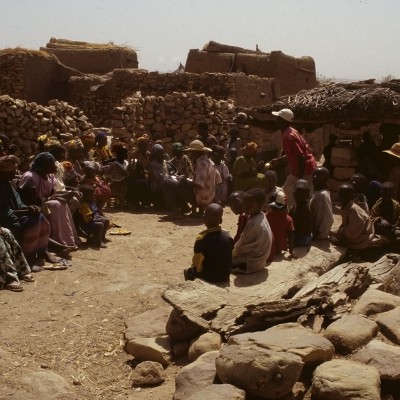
[[24, 122], [98, 95], [12, 74]]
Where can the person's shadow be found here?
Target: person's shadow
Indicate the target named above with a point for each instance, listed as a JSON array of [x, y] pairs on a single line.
[[245, 280]]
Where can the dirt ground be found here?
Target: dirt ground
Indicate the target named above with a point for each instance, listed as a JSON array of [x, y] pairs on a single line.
[[72, 322]]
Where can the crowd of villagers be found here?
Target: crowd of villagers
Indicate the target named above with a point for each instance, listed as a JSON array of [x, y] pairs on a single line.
[[47, 211]]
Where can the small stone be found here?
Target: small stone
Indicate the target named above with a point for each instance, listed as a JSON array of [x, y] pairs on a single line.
[[181, 328], [148, 373], [389, 324], [207, 342], [150, 349], [384, 357], [345, 380], [350, 333]]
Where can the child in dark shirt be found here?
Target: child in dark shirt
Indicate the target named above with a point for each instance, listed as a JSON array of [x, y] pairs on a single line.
[[281, 225], [301, 214], [212, 259], [235, 201], [90, 222]]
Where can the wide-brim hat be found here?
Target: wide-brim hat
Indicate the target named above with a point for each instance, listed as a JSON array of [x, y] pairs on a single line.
[[394, 150], [285, 114], [198, 145]]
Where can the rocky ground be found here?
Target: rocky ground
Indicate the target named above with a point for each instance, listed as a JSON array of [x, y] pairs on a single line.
[[64, 333]]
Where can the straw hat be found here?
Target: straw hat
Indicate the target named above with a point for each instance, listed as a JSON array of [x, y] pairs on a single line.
[[394, 150], [197, 145]]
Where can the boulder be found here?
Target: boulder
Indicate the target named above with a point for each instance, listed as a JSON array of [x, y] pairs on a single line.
[[219, 392], [350, 333], [148, 373], [389, 324], [148, 324], [345, 380], [261, 373], [392, 282], [150, 349], [207, 342], [375, 302], [179, 327], [196, 376], [290, 337], [384, 357]]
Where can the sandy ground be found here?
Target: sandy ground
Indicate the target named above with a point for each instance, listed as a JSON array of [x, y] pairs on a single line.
[[72, 322]]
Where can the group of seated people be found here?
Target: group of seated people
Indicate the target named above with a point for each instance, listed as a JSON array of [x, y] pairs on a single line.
[[61, 199], [266, 228]]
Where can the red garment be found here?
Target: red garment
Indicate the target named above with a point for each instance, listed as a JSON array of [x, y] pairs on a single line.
[[294, 145], [281, 223], [242, 221]]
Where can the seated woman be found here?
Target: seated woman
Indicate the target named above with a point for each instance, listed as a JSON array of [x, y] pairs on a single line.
[[13, 265], [27, 223], [101, 152], [244, 171], [37, 187]]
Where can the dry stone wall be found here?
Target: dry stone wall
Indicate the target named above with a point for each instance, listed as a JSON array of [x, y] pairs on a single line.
[[98, 95], [12, 74], [24, 122]]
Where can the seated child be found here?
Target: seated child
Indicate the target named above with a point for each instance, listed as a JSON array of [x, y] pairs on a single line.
[[360, 184], [253, 248], [212, 259], [281, 225], [271, 178], [386, 214], [321, 205], [357, 230], [221, 189], [89, 221], [236, 204], [301, 214]]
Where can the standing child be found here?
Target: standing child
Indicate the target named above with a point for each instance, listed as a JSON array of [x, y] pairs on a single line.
[[212, 259], [236, 204], [271, 190], [321, 205], [221, 189], [90, 222], [281, 225], [253, 248], [301, 214]]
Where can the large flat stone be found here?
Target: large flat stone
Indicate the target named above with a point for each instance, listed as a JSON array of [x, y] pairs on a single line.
[[389, 325], [345, 380], [375, 302], [350, 333], [219, 392], [148, 324], [290, 337], [150, 349], [384, 357], [196, 376], [263, 373]]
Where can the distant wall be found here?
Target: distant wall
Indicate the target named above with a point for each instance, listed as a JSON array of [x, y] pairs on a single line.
[[98, 95]]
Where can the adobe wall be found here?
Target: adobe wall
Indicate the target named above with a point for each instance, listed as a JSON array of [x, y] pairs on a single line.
[[33, 76], [98, 95]]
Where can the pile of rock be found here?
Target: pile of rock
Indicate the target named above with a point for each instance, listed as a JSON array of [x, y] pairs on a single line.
[[173, 117], [24, 122], [354, 354]]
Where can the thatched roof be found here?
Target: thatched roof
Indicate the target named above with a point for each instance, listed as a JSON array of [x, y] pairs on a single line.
[[332, 103]]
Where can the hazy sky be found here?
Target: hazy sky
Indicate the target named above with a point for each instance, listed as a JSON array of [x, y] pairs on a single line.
[[355, 39]]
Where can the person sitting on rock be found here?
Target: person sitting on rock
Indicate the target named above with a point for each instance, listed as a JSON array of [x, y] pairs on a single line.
[[235, 202], [281, 225], [357, 230], [386, 214], [301, 214], [253, 248], [212, 259], [321, 205]]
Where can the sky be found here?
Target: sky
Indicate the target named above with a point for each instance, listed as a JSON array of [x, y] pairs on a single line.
[[348, 39]]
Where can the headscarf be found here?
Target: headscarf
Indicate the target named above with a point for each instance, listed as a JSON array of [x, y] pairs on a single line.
[[88, 138], [143, 138], [157, 148], [8, 163], [74, 144], [250, 149], [177, 147], [100, 135], [42, 161]]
